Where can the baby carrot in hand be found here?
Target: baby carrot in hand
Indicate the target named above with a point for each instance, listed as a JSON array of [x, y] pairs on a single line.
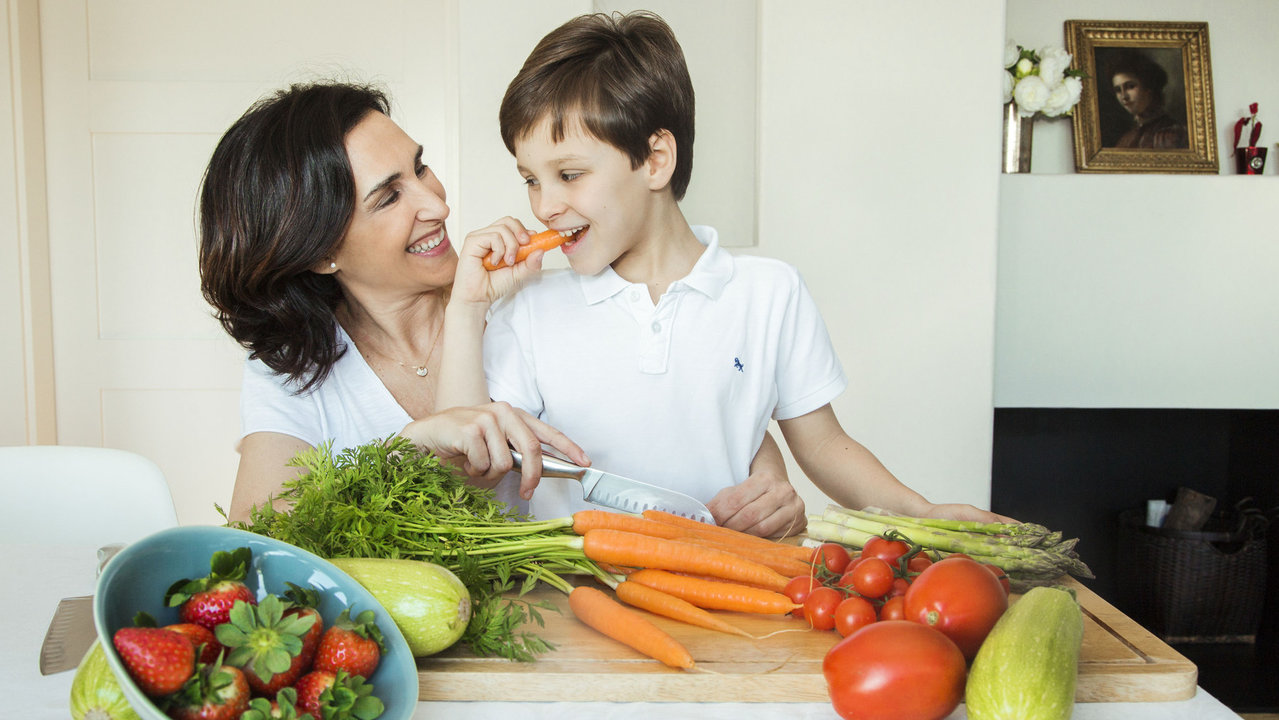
[[545, 240], [628, 627]]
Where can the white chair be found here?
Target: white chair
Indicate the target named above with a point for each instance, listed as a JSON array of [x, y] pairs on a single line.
[[64, 495]]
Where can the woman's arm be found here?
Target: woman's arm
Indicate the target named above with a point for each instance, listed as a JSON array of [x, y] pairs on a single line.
[[765, 504], [853, 477], [264, 468]]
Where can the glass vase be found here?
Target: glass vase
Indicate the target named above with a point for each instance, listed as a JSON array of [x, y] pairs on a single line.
[[1019, 134]]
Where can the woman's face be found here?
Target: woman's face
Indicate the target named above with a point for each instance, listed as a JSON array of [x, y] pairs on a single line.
[[1131, 93], [396, 240]]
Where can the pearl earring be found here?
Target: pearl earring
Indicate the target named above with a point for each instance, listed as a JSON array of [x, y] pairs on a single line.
[[333, 266]]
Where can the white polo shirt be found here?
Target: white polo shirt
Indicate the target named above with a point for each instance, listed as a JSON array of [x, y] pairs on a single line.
[[676, 394]]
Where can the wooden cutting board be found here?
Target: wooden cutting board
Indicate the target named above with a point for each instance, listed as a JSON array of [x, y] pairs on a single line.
[[1120, 662]]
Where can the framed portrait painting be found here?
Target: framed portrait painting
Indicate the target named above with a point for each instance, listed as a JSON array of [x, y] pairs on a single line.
[[1146, 105]]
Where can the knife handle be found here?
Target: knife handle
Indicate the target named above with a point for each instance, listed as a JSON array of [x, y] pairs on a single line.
[[552, 467]]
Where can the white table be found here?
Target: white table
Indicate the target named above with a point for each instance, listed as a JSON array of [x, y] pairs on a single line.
[[37, 577]]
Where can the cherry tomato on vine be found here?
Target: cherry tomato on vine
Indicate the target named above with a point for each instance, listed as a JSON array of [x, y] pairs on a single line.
[[894, 608], [833, 556], [872, 577], [1001, 576], [852, 614], [819, 608], [899, 588], [798, 589], [894, 669], [885, 549], [958, 597], [919, 562]]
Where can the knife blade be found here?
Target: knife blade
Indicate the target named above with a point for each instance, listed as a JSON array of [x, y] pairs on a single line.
[[621, 493], [69, 636]]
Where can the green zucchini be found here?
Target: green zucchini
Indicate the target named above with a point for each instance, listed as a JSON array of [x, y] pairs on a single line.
[[1028, 665], [428, 602]]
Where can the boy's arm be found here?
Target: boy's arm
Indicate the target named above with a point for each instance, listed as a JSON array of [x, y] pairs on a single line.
[[853, 477], [765, 504], [461, 376]]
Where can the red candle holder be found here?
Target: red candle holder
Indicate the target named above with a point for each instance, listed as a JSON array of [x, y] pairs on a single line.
[[1250, 160]]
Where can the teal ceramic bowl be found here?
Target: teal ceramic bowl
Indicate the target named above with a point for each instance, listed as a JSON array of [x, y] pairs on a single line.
[[138, 576]]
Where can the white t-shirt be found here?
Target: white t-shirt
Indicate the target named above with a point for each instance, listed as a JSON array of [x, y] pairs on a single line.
[[351, 407], [678, 394]]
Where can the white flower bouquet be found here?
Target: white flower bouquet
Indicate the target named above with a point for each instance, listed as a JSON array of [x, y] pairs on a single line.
[[1040, 81]]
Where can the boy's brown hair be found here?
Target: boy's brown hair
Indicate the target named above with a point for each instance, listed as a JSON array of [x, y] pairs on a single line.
[[623, 77]]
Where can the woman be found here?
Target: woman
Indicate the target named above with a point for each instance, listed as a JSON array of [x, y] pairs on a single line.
[[1138, 84], [323, 251]]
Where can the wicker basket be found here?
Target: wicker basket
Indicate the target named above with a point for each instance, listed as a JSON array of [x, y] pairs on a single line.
[[1194, 587]]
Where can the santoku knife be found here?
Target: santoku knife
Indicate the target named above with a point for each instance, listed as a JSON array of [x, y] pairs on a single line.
[[621, 493], [69, 636]]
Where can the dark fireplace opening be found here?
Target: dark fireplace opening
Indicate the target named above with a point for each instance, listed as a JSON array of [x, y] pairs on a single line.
[[1075, 470]]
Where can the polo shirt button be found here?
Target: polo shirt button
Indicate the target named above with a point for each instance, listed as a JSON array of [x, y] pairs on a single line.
[[635, 294], [657, 327]]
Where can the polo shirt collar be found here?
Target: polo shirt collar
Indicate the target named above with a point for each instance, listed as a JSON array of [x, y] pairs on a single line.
[[709, 275]]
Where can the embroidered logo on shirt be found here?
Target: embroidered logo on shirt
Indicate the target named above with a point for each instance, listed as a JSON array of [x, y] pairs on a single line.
[[738, 364]]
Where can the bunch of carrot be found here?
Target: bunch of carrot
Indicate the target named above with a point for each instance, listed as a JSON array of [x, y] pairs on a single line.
[[680, 569]]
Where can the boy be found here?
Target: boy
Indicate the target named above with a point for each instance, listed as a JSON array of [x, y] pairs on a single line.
[[661, 353]]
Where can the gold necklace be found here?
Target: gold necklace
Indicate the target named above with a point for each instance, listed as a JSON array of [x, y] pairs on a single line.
[[420, 370]]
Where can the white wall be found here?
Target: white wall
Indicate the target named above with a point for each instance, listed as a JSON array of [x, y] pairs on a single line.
[[1138, 290]]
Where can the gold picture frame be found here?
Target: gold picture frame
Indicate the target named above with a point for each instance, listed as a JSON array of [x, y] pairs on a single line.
[[1159, 118]]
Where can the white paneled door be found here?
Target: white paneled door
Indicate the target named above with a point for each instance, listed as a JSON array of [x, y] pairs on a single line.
[[137, 93]]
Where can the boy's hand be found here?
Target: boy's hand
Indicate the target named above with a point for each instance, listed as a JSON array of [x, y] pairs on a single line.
[[764, 504], [961, 511], [476, 285]]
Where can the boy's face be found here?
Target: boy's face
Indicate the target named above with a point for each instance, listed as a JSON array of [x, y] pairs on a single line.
[[584, 182]]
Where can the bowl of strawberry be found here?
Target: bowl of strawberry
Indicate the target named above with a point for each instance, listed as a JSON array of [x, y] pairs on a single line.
[[212, 622]]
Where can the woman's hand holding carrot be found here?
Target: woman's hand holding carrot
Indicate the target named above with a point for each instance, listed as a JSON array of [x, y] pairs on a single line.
[[504, 239]]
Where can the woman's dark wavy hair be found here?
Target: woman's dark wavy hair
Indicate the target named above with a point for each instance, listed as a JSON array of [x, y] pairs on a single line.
[[623, 76], [275, 202], [1149, 73]]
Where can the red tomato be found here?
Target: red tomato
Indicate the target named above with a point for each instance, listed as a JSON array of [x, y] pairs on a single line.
[[798, 589], [894, 670], [899, 588], [1001, 576], [852, 614], [819, 608], [832, 555], [894, 608], [884, 549], [918, 563], [872, 577], [958, 597]]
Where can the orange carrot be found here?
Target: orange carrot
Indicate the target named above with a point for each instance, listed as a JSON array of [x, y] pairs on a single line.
[[712, 595], [628, 627], [723, 534], [788, 566], [660, 603], [545, 240], [584, 520], [623, 548]]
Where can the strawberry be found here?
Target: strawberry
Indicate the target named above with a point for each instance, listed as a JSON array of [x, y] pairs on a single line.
[[160, 661], [337, 696], [351, 645], [303, 603], [207, 601], [215, 692], [266, 644], [202, 638], [283, 707]]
